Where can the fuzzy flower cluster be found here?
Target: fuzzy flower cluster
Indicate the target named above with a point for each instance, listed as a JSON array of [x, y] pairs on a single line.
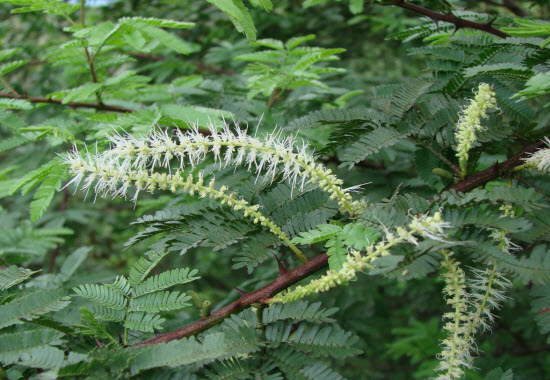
[[540, 159], [269, 156], [472, 310], [470, 122], [426, 226], [110, 177], [505, 244]]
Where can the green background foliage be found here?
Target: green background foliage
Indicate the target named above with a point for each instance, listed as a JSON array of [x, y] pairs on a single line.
[[376, 92]]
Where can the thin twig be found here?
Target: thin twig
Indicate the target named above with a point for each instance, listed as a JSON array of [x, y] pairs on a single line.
[[88, 57], [439, 155], [7, 85], [62, 207], [458, 22], [99, 107], [40, 99]]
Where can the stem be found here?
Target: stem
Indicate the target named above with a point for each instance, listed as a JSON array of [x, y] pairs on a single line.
[[458, 22], [40, 99], [6, 84], [518, 168], [440, 156], [125, 338], [88, 58]]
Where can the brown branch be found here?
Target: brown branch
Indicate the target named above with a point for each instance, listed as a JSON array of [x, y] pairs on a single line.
[[458, 22], [146, 56], [97, 106], [39, 99], [498, 170], [284, 280]]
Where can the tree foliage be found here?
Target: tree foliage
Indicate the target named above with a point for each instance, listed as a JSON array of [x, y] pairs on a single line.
[[234, 189]]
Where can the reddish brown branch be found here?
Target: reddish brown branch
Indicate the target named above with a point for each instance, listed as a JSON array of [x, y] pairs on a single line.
[[39, 99], [283, 281], [458, 22], [498, 170]]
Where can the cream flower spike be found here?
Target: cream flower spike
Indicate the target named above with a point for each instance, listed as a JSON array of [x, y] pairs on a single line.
[[470, 122], [472, 311], [266, 156], [426, 226], [540, 159], [111, 177]]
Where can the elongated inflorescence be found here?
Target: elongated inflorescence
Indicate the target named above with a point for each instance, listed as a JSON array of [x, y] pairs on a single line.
[[110, 177], [540, 159], [470, 122], [472, 302], [268, 156], [431, 227]]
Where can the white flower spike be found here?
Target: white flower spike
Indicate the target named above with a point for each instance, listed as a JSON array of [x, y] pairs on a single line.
[[112, 177], [470, 122], [231, 148], [431, 227], [540, 159]]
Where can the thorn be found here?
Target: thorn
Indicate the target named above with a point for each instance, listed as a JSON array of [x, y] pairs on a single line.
[[490, 23], [457, 27], [241, 292], [282, 269]]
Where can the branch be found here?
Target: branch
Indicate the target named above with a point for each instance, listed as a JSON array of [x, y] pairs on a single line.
[[97, 106], [285, 279], [498, 170], [39, 99], [458, 22]]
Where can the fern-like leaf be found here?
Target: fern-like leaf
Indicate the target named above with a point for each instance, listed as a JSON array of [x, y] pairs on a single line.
[[166, 280], [144, 266], [31, 306], [298, 311], [145, 322], [185, 351], [159, 301], [314, 339], [104, 295], [14, 275]]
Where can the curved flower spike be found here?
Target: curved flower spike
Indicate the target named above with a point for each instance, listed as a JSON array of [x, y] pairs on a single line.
[[267, 155], [115, 179]]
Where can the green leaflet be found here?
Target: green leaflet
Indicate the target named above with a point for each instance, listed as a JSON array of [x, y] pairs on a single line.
[[179, 352], [239, 15], [32, 348], [314, 339], [32, 305], [14, 275], [44, 195]]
